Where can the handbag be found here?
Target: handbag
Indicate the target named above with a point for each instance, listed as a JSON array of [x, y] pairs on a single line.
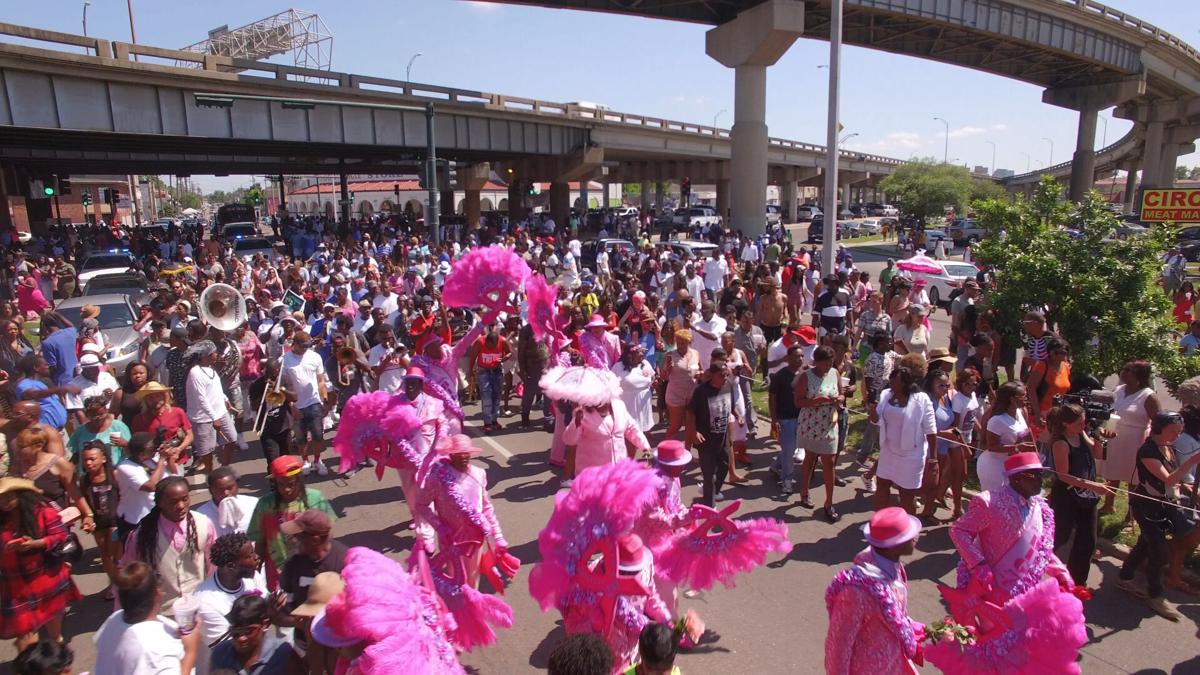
[[70, 551]]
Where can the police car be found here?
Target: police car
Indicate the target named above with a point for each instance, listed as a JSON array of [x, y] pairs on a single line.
[[110, 261]]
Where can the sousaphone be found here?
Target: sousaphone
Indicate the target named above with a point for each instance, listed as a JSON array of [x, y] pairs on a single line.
[[222, 307]]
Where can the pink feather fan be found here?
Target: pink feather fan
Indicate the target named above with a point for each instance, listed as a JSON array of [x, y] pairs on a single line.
[[485, 277], [717, 548], [402, 621], [380, 427], [604, 501], [542, 305]]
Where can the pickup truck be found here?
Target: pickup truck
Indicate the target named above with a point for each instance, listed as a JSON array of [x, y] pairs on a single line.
[[965, 231], [695, 216]]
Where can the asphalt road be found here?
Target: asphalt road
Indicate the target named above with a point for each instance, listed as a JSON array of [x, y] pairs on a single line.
[[774, 621]]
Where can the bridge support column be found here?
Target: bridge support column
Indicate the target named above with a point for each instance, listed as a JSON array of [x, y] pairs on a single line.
[[583, 200], [345, 201], [847, 200], [560, 203], [645, 189], [1130, 190], [790, 195], [446, 202], [1083, 162], [723, 205], [755, 39], [658, 195], [471, 179], [472, 208], [1152, 156]]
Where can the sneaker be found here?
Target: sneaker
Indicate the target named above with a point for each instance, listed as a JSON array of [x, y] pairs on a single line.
[[718, 497], [307, 468], [787, 487], [322, 470], [1162, 608], [868, 484], [839, 481]]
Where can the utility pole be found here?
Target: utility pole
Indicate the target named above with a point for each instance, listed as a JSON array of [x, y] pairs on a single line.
[[831, 139], [432, 216], [946, 147]]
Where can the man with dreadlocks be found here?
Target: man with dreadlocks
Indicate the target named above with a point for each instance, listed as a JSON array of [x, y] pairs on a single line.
[[287, 500], [173, 540], [236, 563]]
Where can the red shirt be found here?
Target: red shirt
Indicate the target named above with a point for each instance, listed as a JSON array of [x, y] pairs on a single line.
[[172, 420]]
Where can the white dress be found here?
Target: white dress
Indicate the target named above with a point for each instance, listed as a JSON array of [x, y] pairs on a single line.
[[1131, 430], [903, 445], [636, 392]]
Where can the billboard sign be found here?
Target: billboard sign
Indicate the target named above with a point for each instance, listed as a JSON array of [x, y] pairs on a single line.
[[1176, 206]]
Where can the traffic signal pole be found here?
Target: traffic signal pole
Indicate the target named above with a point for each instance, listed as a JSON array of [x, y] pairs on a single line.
[[432, 217], [57, 210]]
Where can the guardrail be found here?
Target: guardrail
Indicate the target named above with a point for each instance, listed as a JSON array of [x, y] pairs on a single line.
[[196, 62], [1135, 24], [1112, 152]]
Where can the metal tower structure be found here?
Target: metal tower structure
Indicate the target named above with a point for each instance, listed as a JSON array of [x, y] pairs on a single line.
[[302, 34]]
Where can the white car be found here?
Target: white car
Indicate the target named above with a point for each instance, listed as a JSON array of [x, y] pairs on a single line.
[[109, 261], [869, 227], [696, 216], [889, 210], [246, 248], [951, 278], [808, 212]]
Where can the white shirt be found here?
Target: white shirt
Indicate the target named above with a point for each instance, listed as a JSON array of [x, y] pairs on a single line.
[[87, 388], [135, 502], [715, 270], [301, 374], [750, 252], [602, 262], [391, 379], [205, 396], [695, 286], [238, 508], [715, 325], [388, 303], [215, 603], [1011, 431], [151, 647]]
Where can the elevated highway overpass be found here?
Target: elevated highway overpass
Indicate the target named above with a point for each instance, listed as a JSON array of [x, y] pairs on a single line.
[[104, 111]]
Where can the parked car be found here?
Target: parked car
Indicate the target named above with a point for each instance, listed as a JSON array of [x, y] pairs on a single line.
[[950, 279], [117, 317], [234, 231], [589, 250], [869, 227], [687, 249], [808, 212], [104, 262], [695, 216], [888, 210], [132, 284], [932, 237], [774, 215], [965, 231], [1188, 240], [816, 231]]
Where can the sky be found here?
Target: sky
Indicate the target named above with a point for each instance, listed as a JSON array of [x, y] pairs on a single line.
[[649, 67]]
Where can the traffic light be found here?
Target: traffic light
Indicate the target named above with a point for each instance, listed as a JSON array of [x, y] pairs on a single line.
[[87, 198], [533, 190], [64, 185]]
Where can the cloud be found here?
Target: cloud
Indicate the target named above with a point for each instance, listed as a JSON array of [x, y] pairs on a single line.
[[485, 7], [897, 143], [964, 132], [999, 127]]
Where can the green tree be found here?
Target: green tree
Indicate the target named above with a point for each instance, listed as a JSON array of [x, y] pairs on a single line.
[[923, 188], [1181, 172], [1194, 173], [1101, 292], [253, 195]]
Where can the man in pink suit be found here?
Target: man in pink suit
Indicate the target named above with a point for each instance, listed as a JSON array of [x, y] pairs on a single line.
[[462, 513], [599, 435], [433, 427], [870, 632]]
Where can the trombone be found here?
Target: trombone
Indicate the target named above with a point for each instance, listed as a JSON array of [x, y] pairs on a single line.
[[272, 396]]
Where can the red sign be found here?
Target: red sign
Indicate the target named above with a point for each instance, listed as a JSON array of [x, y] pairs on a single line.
[[1176, 206]]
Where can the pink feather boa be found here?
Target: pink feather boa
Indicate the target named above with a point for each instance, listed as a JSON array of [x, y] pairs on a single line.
[[1045, 639], [485, 277], [401, 621], [474, 614], [604, 501]]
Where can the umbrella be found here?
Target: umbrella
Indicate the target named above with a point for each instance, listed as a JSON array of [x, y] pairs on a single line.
[[583, 385], [921, 264], [190, 212]]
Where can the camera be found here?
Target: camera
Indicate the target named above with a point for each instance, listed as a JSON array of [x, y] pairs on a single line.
[[1097, 405]]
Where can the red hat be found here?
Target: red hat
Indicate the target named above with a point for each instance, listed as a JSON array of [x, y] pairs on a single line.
[[1022, 461], [634, 557], [806, 335], [414, 372], [672, 453], [285, 466], [312, 521], [891, 527]]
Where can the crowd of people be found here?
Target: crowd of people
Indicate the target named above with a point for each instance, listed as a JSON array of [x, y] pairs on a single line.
[[349, 327]]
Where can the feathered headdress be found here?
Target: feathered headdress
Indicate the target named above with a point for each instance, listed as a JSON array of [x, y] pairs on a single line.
[[486, 277], [542, 307], [401, 620]]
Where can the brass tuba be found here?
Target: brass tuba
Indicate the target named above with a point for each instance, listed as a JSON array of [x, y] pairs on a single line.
[[222, 307]]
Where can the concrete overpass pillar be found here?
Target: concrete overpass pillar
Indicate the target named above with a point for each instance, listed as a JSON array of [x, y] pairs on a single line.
[[723, 205], [1152, 155], [583, 198], [755, 39], [658, 195], [345, 201], [1170, 159], [847, 199], [1083, 162], [1130, 190], [472, 208], [645, 195], [790, 193], [560, 203]]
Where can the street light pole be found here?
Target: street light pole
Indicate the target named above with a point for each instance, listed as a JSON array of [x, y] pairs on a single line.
[[1051, 162], [408, 70], [86, 4], [720, 112], [829, 221], [993, 144], [946, 149], [846, 138], [1026, 161], [1104, 138], [432, 218]]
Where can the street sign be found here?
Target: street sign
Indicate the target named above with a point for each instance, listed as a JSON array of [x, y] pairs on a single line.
[[1176, 206], [125, 203]]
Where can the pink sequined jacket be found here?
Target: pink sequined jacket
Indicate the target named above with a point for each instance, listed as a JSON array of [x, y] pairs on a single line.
[[462, 510], [870, 632]]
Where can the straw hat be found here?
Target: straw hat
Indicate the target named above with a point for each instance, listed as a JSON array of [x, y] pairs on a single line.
[[150, 388]]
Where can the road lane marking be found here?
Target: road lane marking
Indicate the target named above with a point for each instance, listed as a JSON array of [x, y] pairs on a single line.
[[475, 431]]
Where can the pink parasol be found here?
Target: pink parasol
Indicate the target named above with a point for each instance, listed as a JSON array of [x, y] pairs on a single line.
[[581, 384], [920, 264]]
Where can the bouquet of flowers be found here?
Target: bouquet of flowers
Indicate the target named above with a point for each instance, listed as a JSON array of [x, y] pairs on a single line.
[[689, 629], [950, 631]]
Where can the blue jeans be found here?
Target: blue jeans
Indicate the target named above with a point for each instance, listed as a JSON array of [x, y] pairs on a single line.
[[787, 447], [491, 384], [867, 446]]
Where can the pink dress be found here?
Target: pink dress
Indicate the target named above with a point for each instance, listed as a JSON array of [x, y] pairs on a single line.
[[462, 513], [662, 520], [30, 300], [869, 628], [602, 440]]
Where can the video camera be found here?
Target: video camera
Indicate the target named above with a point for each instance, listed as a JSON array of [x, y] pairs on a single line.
[[1097, 405]]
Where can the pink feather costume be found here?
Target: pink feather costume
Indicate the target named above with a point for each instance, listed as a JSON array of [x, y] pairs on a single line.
[[604, 503], [1007, 546], [869, 627], [403, 623], [462, 513]]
